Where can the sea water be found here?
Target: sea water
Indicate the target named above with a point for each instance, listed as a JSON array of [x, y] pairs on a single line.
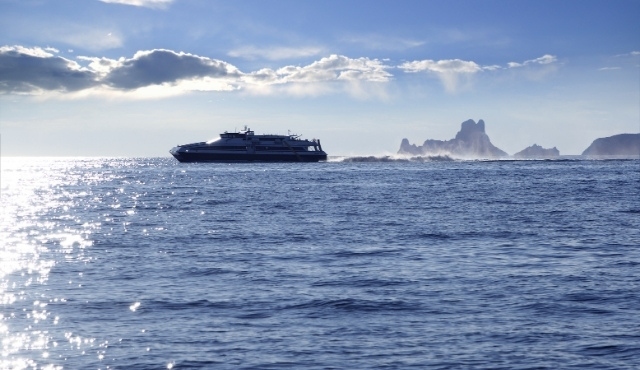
[[439, 264]]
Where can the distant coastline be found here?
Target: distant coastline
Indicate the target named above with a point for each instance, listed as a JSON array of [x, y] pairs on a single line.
[[472, 142], [617, 145]]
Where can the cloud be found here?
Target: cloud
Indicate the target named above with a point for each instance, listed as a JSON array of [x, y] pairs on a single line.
[[630, 54], [451, 72], [274, 53], [89, 39], [35, 70], [161, 72], [535, 69], [157, 4], [545, 59], [623, 61], [337, 67], [442, 66], [336, 72], [456, 73], [383, 42], [160, 66]]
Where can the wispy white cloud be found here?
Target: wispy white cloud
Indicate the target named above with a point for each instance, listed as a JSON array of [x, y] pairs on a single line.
[[441, 66], [275, 53], [93, 39], [545, 59], [383, 42], [535, 69], [630, 54], [436, 36], [19, 50], [621, 61], [157, 4], [455, 73], [451, 72]]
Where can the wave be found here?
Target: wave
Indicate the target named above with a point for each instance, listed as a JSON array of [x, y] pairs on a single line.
[[356, 305]]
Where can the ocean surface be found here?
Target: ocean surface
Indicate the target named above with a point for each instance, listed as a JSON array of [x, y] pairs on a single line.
[[350, 264]]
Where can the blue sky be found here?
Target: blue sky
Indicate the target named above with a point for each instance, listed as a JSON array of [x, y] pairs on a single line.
[[136, 77]]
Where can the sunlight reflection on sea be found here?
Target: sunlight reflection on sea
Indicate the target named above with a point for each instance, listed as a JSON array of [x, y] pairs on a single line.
[[32, 207]]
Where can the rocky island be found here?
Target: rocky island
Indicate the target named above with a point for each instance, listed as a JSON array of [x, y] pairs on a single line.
[[620, 145], [470, 142], [537, 152]]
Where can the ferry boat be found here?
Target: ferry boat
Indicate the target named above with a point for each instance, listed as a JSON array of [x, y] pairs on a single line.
[[246, 146]]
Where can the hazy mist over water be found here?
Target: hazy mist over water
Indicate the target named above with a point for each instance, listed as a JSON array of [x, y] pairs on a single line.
[[359, 262]]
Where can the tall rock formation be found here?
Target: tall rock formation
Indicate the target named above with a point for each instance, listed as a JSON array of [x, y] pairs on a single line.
[[470, 142], [623, 144]]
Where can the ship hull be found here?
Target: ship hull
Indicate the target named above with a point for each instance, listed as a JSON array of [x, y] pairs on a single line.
[[247, 157]]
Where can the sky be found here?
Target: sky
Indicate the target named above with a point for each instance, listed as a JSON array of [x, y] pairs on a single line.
[[137, 77]]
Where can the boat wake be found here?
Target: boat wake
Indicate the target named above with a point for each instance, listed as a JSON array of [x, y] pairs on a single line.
[[390, 158], [447, 158]]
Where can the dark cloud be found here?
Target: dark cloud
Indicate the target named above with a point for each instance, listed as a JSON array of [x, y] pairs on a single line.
[[164, 66], [25, 70], [28, 70]]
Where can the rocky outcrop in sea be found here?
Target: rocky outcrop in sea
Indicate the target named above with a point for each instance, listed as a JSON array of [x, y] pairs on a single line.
[[623, 144], [470, 142], [535, 151]]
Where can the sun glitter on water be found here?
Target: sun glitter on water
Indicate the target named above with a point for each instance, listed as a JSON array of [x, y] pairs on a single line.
[[30, 189]]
